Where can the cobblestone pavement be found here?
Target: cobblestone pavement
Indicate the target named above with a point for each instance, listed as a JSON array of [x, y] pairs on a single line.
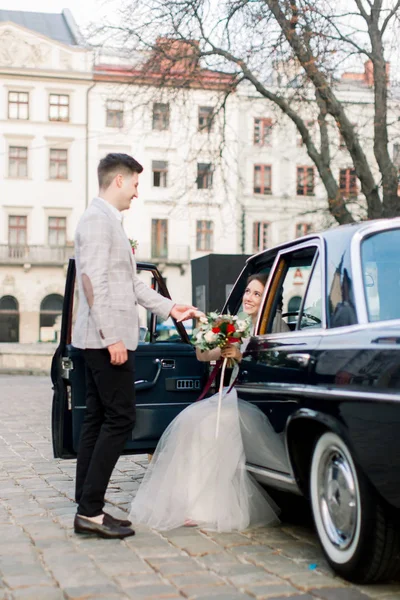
[[42, 559]]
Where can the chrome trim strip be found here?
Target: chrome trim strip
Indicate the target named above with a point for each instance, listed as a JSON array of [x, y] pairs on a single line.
[[166, 405], [286, 335], [356, 262], [308, 390], [286, 481], [287, 245], [314, 241]]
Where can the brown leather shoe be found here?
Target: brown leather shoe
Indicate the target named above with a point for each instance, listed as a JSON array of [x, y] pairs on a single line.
[[108, 529], [122, 522]]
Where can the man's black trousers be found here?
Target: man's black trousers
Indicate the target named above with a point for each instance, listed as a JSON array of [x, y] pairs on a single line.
[[109, 419]]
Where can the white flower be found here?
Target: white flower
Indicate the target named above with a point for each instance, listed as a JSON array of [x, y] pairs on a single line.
[[199, 336], [242, 325], [210, 337], [203, 320]]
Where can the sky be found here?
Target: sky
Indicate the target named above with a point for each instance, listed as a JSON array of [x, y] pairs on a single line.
[[83, 11]]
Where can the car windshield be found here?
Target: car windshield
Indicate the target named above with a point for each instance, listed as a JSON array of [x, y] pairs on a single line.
[[381, 273]]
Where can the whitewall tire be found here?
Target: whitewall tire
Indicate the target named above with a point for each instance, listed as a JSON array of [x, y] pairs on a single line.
[[358, 532], [335, 498]]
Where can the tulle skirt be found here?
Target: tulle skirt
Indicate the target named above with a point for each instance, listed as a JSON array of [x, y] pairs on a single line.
[[195, 476]]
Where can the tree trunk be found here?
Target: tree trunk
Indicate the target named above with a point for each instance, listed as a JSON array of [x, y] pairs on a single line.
[[334, 107]]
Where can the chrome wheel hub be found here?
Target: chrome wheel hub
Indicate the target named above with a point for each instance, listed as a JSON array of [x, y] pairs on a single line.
[[337, 497]]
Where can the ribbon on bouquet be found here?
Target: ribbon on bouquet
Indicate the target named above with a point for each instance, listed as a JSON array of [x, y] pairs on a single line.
[[220, 364]]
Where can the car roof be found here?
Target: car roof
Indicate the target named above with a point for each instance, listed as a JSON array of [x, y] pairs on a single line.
[[341, 234]]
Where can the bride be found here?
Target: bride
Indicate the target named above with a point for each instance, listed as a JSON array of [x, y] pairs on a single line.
[[196, 479]]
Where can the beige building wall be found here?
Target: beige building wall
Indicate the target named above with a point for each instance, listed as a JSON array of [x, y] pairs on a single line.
[[30, 286]]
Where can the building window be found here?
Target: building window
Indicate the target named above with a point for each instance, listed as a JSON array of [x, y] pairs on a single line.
[[160, 116], [311, 130], [260, 236], [204, 176], [59, 107], [58, 164], [57, 231], [302, 229], [348, 183], [204, 236], [262, 132], [305, 181], [262, 179], [114, 113], [17, 230], [159, 238], [9, 319], [160, 173], [206, 118], [18, 105], [18, 162], [50, 318]]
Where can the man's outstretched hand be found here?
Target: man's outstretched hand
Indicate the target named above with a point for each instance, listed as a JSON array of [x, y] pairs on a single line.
[[183, 312]]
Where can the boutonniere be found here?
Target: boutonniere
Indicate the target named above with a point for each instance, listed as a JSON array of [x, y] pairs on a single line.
[[134, 244]]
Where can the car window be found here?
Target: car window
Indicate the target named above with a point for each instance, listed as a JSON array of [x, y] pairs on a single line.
[[287, 289], [381, 274], [311, 313], [234, 304], [152, 327]]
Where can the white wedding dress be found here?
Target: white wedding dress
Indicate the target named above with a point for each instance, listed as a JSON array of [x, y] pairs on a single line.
[[194, 476]]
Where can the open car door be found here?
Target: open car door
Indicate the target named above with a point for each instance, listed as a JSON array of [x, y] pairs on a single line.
[[168, 375]]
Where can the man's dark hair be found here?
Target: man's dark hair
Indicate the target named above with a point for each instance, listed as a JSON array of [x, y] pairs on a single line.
[[115, 163]]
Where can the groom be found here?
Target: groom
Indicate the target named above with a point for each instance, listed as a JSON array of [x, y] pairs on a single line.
[[107, 330]]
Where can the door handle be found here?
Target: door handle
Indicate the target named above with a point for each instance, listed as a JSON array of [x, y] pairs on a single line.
[[168, 363], [301, 359], [144, 384]]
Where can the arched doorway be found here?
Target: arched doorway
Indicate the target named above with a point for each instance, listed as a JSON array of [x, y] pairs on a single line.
[[50, 318], [9, 319]]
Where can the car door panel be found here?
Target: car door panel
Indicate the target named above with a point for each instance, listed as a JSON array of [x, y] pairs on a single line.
[[276, 367], [268, 369], [169, 377]]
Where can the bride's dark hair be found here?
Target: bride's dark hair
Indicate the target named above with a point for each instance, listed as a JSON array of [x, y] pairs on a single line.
[[261, 277]]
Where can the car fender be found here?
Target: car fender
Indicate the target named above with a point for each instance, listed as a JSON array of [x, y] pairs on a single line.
[[303, 428]]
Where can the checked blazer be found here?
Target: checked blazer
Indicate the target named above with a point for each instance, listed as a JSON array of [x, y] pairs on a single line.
[[108, 285]]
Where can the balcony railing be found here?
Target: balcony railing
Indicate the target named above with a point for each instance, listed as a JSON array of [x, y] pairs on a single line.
[[170, 255], [43, 255], [173, 255]]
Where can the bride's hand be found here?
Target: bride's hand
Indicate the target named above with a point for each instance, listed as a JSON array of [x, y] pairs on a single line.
[[231, 351], [198, 315]]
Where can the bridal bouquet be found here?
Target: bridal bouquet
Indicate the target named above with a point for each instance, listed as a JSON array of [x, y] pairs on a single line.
[[216, 330]]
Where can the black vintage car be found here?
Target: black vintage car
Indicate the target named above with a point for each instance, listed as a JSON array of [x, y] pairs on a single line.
[[328, 383]]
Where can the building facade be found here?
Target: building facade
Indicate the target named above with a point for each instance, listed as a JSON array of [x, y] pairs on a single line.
[[224, 176], [44, 78]]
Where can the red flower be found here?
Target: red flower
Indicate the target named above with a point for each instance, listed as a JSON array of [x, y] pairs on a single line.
[[216, 330], [230, 328]]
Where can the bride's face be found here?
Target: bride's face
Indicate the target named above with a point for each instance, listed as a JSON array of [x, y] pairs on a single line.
[[252, 297]]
